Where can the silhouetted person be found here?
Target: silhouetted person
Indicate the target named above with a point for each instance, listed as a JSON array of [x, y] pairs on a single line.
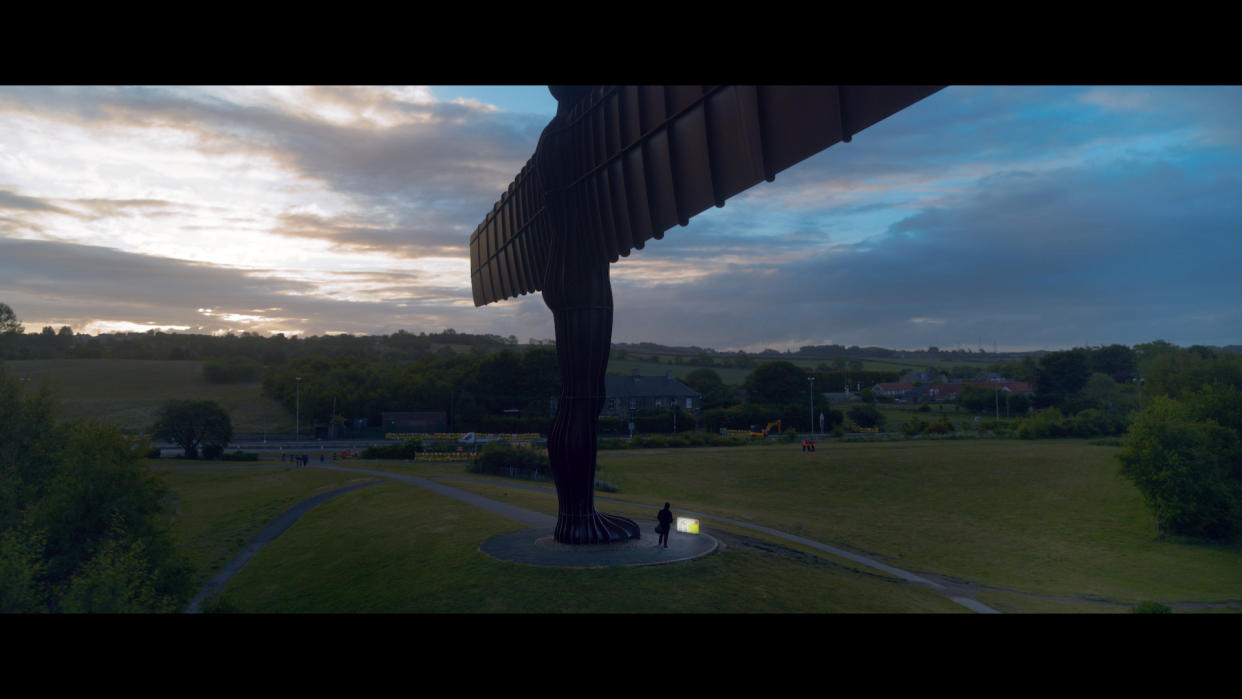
[[666, 523]]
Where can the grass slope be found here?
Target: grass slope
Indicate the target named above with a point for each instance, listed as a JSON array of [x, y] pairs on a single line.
[[128, 392], [1047, 526]]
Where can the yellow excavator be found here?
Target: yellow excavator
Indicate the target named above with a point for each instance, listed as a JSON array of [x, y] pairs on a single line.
[[766, 430]]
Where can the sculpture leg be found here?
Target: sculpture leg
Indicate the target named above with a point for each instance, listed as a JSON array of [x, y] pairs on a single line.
[[583, 341]]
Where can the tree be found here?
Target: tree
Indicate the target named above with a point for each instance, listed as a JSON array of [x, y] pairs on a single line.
[[82, 527], [776, 382], [1188, 470], [713, 389], [865, 416], [1061, 376], [191, 423], [9, 324]]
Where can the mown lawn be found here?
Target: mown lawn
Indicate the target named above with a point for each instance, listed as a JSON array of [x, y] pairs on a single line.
[[395, 548], [1034, 520]]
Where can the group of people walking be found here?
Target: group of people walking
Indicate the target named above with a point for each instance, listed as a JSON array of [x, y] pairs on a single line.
[[808, 445]]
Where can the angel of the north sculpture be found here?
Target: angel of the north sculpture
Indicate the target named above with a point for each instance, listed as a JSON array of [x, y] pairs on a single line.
[[617, 166]]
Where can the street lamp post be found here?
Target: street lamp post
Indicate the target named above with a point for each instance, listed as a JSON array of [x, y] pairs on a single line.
[[812, 380], [297, 425]]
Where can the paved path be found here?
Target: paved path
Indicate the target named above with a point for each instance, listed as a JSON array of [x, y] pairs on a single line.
[[535, 520], [265, 536]]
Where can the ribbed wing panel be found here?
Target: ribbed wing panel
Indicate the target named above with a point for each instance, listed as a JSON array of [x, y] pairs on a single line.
[[647, 158], [508, 250]]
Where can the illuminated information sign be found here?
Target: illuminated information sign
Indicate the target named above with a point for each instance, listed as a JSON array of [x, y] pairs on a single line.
[[686, 525]]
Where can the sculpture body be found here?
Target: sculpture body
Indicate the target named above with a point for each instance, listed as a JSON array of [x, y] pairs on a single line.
[[577, 290]]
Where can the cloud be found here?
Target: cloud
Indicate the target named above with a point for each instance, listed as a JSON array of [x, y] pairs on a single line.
[[50, 283], [1052, 259], [1029, 216], [16, 202]]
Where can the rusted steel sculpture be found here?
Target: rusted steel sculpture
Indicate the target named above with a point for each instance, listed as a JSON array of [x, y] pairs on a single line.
[[617, 166]]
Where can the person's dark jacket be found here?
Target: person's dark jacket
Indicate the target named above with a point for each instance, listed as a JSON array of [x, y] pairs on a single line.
[[665, 518]]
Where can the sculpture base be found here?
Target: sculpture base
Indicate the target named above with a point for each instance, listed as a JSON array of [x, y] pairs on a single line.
[[595, 528], [538, 547]]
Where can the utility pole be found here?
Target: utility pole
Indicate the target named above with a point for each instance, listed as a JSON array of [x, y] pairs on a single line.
[[812, 380], [297, 425]]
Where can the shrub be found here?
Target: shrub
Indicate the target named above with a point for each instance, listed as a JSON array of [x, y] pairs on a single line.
[[502, 460], [407, 449], [1151, 608], [1046, 423], [865, 416], [1186, 470]]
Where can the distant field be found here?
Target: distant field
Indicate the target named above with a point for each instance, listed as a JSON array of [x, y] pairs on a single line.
[[1042, 526], [129, 391]]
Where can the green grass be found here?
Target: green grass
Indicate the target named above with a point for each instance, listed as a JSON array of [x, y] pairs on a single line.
[[128, 392], [1035, 520], [394, 548], [215, 513], [1049, 517]]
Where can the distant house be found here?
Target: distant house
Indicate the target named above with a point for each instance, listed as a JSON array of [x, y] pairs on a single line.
[[625, 395], [941, 392], [902, 390]]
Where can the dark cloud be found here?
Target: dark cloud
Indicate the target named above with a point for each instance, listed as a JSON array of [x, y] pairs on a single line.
[[61, 283], [106, 208], [1056, 258], [449, 155], [16, 202], [1035, 241], [421, 238]]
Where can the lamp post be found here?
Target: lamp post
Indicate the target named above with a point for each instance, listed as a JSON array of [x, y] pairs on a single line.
[[297, 425], [1139, 382], [812, 380], [25, 380]]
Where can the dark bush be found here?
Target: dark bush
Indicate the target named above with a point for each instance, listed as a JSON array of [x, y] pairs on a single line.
[[514, 462], [407, 449], [865, 416], [1151, 608], [213, 452]]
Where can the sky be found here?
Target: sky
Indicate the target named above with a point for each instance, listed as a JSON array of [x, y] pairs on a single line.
[[1020, 218]]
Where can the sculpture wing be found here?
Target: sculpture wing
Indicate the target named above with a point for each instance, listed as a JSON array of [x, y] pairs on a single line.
[[646, 158], [508, 250]]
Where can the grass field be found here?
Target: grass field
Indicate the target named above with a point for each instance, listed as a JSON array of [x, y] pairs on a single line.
[[1040, 526], [129, 391]]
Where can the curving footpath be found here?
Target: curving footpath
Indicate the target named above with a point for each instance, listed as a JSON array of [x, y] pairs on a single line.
[[536, 521]]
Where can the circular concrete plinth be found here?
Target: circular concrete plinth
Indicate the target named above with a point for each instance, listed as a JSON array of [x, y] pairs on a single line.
[[538, 547]]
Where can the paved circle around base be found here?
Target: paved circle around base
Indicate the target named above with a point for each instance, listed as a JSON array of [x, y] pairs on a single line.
[[538, 547]]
